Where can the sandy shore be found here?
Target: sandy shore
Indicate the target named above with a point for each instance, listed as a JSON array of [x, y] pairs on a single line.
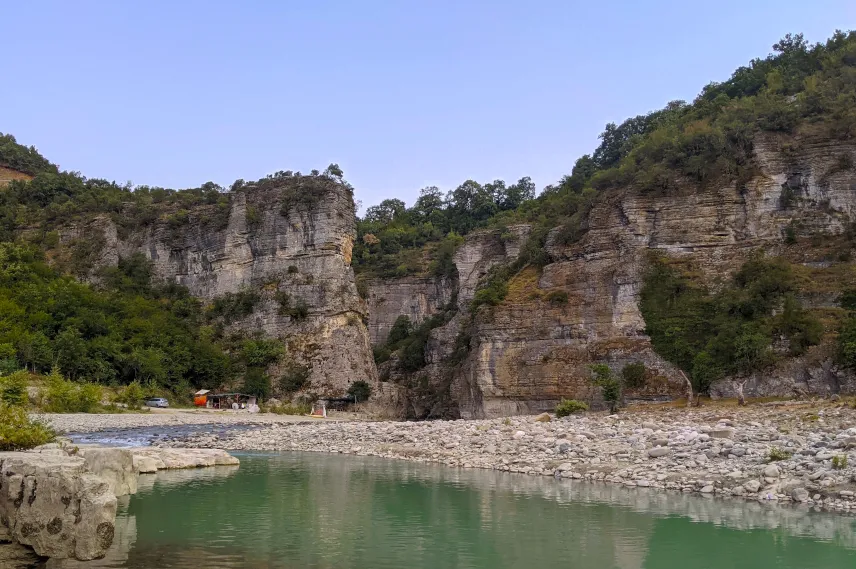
[[714, 451]]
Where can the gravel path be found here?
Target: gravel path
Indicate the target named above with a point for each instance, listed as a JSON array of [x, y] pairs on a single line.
[[709, 451]]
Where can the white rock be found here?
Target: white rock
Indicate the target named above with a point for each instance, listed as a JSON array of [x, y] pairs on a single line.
[[67, 512], [771, 471]]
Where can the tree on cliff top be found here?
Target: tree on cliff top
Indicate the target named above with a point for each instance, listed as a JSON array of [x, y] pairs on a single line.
[[22, 158]]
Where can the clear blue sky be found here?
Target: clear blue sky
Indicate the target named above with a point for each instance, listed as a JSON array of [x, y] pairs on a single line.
[[400, 94]]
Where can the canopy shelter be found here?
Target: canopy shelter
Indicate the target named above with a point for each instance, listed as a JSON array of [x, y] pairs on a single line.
[[230, 401]]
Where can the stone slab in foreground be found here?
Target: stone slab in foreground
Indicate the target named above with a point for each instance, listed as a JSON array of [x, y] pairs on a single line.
[[53, 504], [149, 459]]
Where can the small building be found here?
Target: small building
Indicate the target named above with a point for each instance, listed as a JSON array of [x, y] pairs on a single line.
[[200, 398], [235, 401]]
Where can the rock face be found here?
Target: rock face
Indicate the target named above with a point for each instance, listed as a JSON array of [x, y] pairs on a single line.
[[150, 459], [114, 465], [583, 308], [289, 236], [522, 356], [55, 505]]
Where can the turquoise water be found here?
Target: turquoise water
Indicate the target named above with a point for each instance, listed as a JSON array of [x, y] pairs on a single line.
[[327, 511]]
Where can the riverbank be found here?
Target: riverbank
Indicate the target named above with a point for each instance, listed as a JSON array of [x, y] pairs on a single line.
[[92, 423], [803, 453]]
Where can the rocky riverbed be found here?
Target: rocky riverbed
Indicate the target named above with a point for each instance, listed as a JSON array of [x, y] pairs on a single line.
[[786, 453], [99, 422]]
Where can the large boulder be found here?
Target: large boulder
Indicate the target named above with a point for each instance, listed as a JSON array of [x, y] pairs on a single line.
[[53, 504], [115, 465]]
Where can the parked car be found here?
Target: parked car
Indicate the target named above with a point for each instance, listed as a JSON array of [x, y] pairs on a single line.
[[157, 402]]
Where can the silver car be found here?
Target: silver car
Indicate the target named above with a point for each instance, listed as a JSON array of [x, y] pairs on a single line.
[[157, 402]]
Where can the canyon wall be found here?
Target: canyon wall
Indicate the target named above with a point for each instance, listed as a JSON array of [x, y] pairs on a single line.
[[583, 308]]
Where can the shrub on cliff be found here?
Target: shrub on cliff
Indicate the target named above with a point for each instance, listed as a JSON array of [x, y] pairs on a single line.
[[19, 432], [360, 390], [710, 335], [610, 386], [569, 407], [634, 374], [294, 377]]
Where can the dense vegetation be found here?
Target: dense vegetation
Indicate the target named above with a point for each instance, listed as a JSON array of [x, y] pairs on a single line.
[[22, 158], [738, 330], [800, 89]]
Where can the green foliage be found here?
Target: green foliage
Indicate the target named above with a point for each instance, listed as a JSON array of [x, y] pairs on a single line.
[[261, 352], [847, 343], [848, 299], [634, 375], [777, 454], [233, 306], [257, 382], [19, 432], [289, 409], [132, 395], [360, 390], [610, 387], [13, 388], [790, 234], [401, 329], [381, 354], [298, 310], [254, 218], [65, 396], [493, 289], [294, 378], [711, 335], [839, 462], [127, 329], [22, 158], [557, 297], [569, 407]]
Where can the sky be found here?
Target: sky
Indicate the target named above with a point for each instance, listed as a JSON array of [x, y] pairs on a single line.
[[401, 94]]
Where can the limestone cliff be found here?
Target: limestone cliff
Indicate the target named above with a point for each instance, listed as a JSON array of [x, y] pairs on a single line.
[[283, 238], [536, 346]]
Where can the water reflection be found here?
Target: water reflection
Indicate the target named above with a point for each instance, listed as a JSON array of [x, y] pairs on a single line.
[[323, 511]]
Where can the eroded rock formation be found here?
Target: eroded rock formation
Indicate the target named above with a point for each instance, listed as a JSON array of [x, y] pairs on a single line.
[[583, 308]]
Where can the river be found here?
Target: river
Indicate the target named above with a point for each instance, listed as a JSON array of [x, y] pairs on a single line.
[[306, 510]]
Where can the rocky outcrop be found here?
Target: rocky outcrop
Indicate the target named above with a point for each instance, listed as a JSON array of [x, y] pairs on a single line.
[[53, 504], [60, 499], [285, 238], [115, 465], [583, 307]]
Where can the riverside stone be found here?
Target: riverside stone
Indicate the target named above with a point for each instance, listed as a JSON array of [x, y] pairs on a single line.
[[771, 471], [657, 452], [799, 495], [114, 465], [53, 504]]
